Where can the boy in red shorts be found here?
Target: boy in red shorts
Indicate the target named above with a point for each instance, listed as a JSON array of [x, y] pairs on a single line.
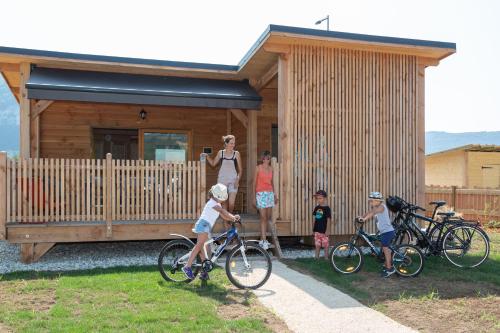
[[322, 214]]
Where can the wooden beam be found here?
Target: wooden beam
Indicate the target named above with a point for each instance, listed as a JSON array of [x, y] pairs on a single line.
[[9, 67], [428, 61], [277, 48], [27, 252], [3, 195], [25, 112], [267, 77], [40, 249], [284, 154], [108, 197], [251, 157], [241, 116], [39, 107]]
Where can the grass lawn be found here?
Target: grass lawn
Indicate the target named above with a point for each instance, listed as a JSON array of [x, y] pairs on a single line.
[[127, 299], [443, 298]]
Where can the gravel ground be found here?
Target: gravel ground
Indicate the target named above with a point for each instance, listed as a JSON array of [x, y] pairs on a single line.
[[77, 256]]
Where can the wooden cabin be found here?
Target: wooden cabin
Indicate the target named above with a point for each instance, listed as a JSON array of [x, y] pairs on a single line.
[[470, 166], [110, 146]]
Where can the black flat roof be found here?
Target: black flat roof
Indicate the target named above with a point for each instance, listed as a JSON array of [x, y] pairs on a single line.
[[88, 86], [219, 67]]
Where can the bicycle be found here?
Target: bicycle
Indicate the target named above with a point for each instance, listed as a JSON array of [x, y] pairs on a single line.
[[248, 266], [462, 242], [347, 257]]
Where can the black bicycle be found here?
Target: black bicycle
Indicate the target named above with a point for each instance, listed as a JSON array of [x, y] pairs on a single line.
[[248, 266], [462, 242], [347, 258]]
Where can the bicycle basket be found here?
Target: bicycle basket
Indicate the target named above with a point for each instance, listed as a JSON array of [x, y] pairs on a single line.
[[395, 204]]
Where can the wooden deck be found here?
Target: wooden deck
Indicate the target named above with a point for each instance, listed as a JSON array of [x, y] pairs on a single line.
[[95, 231]]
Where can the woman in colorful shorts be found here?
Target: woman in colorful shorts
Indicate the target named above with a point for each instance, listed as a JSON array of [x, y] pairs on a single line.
[[265, 198]]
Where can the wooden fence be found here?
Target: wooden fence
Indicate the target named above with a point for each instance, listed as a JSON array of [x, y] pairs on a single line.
[[478, 204], [43, 190]]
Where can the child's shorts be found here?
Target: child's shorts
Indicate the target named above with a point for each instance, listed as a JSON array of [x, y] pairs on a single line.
[[321, 240], [264, 199], [386, 238], [202, 227]]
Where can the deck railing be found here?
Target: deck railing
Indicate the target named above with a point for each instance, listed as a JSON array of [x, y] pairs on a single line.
[[40, 190]]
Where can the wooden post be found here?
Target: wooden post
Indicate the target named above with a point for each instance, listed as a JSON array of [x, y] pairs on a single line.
[[454, 197], [251, 157], [203, 182], [24, 112], [228, 122], [275, 211], [3, 195], [284, 154], [109, 198], [420, 135]]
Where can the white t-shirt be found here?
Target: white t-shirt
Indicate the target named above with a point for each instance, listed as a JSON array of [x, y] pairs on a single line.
[[209, 214]]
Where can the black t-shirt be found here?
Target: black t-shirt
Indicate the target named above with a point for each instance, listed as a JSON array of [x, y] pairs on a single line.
[[321, 215]]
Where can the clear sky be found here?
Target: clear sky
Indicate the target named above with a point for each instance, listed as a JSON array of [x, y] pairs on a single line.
[[462, 93]]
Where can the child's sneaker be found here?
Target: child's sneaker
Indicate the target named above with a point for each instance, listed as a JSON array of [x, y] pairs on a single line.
[[388, 272], [204, 276], [188, 272], [264, 244]]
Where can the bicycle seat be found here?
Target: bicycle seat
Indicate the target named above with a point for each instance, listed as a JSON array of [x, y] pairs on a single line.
[[447, 214], [438, 203]]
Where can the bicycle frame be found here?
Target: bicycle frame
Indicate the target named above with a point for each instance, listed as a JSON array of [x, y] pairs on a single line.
[[229, 236]]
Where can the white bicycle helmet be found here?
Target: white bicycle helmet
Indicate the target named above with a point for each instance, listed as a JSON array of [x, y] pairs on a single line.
[[219, 192], [376, 196]]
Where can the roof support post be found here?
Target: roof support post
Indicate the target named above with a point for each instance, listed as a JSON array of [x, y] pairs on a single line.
[[420, 134], [25, 112], [284, 136], [251, 157]]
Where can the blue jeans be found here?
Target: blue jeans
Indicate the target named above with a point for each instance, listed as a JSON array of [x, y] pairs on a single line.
[[202, 227]]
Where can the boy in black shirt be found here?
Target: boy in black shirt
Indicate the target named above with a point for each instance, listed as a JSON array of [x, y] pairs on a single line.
[[322, 214]]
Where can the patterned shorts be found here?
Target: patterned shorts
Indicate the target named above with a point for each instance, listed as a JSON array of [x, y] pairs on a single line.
[[265, 199], [321, 240]]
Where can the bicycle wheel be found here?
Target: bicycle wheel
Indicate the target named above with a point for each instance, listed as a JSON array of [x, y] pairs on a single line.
[[173, 256], [408, 260], [466, 246], [346, 258], [248, 266], [403, 237]]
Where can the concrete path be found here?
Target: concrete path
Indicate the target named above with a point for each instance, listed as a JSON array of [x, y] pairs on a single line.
[[307, 305]]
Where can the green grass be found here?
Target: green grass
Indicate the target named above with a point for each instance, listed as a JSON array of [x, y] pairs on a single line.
[[120, 299]]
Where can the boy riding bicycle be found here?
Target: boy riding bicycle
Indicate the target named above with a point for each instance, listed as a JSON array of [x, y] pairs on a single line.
[[379, 210], [209, 215]]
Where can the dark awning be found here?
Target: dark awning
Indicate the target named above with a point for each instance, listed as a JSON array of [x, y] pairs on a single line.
[[86, 86]]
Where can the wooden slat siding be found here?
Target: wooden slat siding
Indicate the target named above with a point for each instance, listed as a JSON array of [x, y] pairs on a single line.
[[157, 190], [10, 192], [4, 202], [354, 115]]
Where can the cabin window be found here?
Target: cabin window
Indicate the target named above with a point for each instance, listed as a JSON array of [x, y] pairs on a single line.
[[166, 145], [121, 143]]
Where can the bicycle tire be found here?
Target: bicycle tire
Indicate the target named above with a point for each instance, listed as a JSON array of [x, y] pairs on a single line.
[[401, 269], [403, 236], [470, 230], [170, 246], [231, 262], [336, 259]]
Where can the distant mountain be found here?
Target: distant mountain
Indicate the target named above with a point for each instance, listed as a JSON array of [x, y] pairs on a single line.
[[9, 120], [438, 141]]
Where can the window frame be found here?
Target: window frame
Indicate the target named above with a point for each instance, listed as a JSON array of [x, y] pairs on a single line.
[[142, 131]]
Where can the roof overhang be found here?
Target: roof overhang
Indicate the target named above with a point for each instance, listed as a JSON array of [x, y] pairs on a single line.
[[87, 86], [470, 147]]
